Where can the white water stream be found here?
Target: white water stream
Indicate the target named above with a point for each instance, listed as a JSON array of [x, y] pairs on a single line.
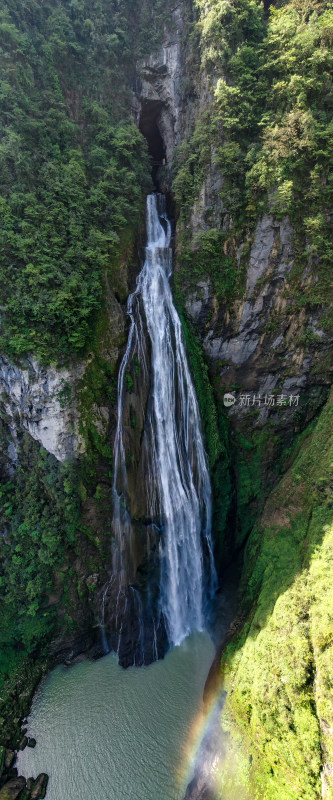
[[177, 481], [104, 733]]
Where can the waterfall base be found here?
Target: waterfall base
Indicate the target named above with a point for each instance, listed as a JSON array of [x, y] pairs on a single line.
[[134, 628]]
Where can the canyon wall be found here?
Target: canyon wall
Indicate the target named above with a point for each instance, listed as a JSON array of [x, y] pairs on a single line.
[[249, 198]]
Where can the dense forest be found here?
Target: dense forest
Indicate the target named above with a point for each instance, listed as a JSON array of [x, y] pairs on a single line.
[[255, 103], [74, 175], [74, 166]]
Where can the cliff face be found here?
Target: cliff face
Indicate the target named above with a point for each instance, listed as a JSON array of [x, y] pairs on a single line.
[[255, 345], [245, 168], [257, 293], [278, 713], [67, 414], [72, 217], [31, 401], [248, 280], [157, 99]]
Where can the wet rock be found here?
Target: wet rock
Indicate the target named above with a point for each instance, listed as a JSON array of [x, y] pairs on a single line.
[[9, 759], [38, 790], [31, 742], [12, 789], [23, 743], [26, 795], [197, 790]]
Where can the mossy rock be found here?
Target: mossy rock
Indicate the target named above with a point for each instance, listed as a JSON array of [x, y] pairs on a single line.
[[12, 789], [277, 671], [38, 790]]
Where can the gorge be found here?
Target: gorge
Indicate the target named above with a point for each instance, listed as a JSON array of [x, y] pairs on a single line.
[[123, 468]]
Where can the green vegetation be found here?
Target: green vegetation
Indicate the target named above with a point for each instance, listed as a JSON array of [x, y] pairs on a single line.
[[268, 132], [277, 670], [216, 434], [39, 517], [74, 170], [251, 457], [74, 167]]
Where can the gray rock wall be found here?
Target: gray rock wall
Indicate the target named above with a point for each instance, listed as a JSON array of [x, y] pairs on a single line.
[[39, 400], [159, 80], [257, 345]]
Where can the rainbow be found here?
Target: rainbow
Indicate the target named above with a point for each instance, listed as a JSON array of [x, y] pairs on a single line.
[[205, 723]]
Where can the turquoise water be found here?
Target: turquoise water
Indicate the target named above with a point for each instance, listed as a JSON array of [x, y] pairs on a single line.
[[104, 733]]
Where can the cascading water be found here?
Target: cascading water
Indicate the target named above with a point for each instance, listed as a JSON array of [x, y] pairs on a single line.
[[177, 485]]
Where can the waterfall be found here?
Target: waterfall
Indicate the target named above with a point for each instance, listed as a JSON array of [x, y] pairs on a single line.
[[177, 485]]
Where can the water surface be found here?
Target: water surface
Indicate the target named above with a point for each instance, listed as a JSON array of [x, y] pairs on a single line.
[[104, 733]]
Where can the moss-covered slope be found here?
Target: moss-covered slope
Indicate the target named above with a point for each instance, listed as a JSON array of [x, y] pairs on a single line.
[[278, 670]]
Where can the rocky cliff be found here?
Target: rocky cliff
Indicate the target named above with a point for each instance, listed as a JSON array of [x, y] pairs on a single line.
[[234, 107], [32, 401], [257, 293]]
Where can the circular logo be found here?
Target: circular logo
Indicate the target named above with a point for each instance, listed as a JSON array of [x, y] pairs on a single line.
[[229, 400]]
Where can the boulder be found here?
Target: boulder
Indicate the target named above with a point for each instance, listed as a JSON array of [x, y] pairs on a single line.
[[39, 787], [12, 789], [9, 758], [31, 742]]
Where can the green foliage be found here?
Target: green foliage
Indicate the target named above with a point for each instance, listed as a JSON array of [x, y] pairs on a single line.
[[98, 389], [129, 383], [250, 457], [228, 36], [74, 166], [39, 516], [277, 669], [294, 160], [208, 256], [268, 131]]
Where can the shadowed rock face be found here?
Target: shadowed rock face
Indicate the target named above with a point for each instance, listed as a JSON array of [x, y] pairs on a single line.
[[256, 345], [157, 94], [149, 122], [198, 790], [129, 628]]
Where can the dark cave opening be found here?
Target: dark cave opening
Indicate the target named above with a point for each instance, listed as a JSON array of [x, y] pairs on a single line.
[[148, 125]]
